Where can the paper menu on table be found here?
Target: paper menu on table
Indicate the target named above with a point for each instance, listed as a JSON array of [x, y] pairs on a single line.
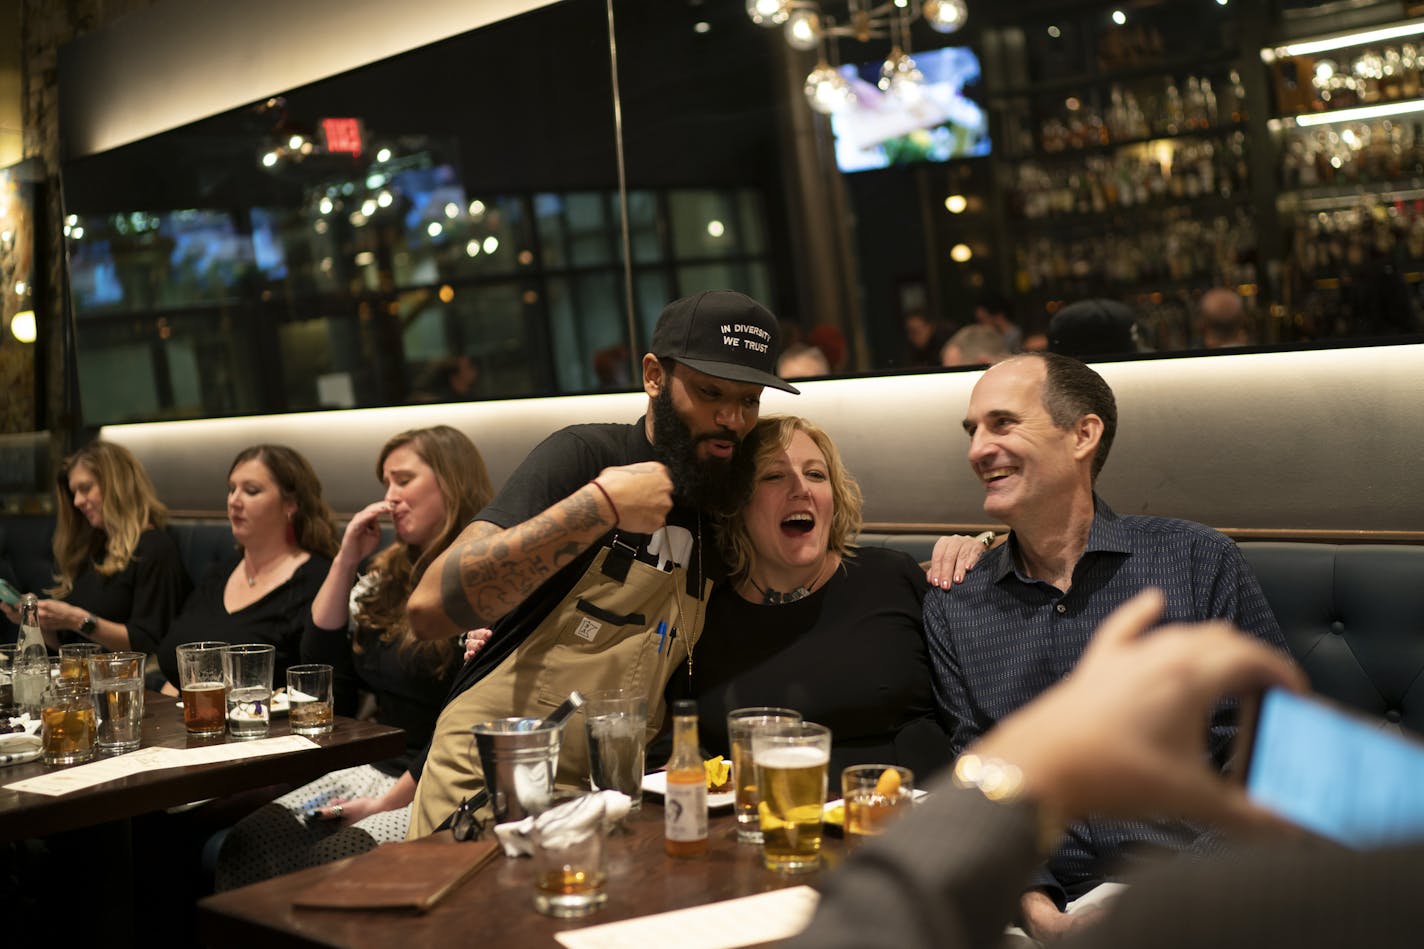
[[153, 759], [746, 921]]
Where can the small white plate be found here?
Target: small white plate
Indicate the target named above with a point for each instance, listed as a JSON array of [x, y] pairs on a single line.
[[656, 783]]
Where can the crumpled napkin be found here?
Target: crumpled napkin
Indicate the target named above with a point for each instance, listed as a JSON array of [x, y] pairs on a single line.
[[17, 747], [572, 818]]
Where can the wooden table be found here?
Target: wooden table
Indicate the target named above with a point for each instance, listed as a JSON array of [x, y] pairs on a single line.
[[493, 909], [35, 815]]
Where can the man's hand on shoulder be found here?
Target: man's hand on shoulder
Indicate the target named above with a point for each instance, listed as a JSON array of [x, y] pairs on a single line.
[[640, 494]]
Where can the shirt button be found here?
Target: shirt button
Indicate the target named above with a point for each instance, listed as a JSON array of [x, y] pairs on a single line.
[[1061, 608]]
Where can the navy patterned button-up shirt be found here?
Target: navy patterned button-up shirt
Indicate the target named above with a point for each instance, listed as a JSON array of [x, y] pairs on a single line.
[[1000, 638]]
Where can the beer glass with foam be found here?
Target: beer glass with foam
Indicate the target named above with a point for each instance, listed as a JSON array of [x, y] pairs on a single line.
[[791, 762], [740, 725]]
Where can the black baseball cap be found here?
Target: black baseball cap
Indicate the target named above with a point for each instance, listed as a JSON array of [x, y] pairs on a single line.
[[723, 333]]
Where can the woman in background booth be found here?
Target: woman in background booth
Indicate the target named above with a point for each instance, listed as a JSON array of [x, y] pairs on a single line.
[[263, 592], [809, 621], [436, 483], [119, 579]]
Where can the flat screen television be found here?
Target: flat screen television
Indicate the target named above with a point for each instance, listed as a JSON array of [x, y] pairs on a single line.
[[944, 121]]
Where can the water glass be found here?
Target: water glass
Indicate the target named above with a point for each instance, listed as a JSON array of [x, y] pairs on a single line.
[[8, 654], [309, 689], [247, 673], [116, 681], [32, 678], [200, 680], [791, 762], [740, 725], [568, 864], [875, 795], [617, 721]]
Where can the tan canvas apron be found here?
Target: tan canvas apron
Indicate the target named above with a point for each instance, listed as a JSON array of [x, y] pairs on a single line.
[[602, 635]]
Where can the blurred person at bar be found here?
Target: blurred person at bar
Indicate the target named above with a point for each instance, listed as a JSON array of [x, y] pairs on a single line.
[[436, 482], [831, 341], [1223, 319], [1120, 737], [1091, 328], [802, 362], [924, 338], [1040, 427], [262, 592], [974, 346], [120, 581], [801, 597], [997, 313], [603, 531]]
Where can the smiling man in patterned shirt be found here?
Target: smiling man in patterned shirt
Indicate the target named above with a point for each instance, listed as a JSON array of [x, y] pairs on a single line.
[[1040, 427]]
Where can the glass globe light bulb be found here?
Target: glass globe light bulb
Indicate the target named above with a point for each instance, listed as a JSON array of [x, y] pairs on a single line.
[[901, 77], [803, 29], [768, 13], [945, 16], [827, 91]]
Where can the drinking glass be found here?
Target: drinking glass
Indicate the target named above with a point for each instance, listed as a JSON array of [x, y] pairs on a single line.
[[309, 689], [740, 725], [247, 673], [617, 721], [568, 864], [66, 723], [116, 681], [8, 654], [875, 795], [791, 761], [200, 678], [32, 678], [74, 661]]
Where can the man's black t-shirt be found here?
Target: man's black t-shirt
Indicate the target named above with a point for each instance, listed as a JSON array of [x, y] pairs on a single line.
[[555, 469]]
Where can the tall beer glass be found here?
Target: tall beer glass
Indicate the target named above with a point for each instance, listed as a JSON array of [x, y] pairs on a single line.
[[791, 762], [740, 725], [200, 677]]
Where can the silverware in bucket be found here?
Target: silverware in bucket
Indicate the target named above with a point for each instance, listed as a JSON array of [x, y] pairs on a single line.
[[519, 757]]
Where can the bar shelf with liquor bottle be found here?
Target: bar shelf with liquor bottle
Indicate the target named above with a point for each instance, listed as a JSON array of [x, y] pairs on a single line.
[[1349, 140]]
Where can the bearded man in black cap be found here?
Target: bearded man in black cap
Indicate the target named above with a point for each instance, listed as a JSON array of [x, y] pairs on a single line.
[[601, 535]]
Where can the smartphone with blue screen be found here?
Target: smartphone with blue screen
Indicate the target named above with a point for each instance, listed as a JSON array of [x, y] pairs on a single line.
[[1333, 772], [8, 593]]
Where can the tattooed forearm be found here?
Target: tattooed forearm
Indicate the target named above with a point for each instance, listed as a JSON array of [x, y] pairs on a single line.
[[494, 573]]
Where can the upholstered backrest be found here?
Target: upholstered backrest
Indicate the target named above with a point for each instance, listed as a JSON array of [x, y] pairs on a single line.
[[1354, 619]]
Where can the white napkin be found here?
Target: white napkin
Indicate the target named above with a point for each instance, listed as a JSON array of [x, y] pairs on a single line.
[[18, 747], [571, 817]]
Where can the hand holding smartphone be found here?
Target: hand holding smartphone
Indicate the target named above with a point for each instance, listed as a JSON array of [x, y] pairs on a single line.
[[8, 594], [1333, 772]]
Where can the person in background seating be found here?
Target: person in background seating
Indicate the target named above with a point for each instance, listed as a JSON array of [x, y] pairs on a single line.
[[263, 591], [436, 483], [1040, 427], [120, 581]]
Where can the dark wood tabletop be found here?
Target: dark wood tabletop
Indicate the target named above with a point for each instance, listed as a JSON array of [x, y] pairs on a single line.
[[24, 814], [494, 908]]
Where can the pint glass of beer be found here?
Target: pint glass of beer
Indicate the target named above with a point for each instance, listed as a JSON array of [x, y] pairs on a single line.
[[740, 725], [791, 762], [200, 676]]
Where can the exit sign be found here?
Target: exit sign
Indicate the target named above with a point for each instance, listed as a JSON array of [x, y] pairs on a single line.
[[342, 135]]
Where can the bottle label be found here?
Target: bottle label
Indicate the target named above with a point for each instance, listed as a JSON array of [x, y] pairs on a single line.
[[685, 810]]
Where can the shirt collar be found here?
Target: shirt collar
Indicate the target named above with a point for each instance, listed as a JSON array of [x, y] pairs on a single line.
[[1105, 535]]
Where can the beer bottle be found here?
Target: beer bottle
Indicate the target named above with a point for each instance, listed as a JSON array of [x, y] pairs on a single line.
[[685, 806]]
